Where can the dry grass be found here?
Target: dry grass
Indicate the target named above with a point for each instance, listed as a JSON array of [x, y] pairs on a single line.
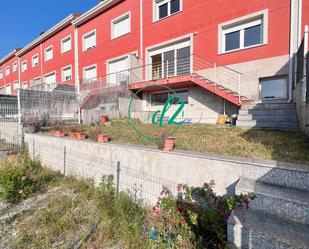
[[223, 140]]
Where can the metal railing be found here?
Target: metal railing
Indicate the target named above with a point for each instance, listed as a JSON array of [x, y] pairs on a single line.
[[193, 64]]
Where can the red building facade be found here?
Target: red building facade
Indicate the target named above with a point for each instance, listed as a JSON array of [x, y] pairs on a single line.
[[209, 51]]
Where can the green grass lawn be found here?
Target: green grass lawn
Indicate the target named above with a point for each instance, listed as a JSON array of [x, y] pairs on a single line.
[[223, 140]]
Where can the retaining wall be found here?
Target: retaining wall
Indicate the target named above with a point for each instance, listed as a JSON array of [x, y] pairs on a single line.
[[141, 168]]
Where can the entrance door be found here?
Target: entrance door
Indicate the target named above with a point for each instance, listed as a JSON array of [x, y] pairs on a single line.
[[50, 81], [274, 88], [118, 72], [172, 60]]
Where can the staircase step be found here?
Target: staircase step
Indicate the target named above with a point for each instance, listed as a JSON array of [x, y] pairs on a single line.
[[280, 125], [269, 112], [249, 117], [289, 203], [263, 106], [278, 173], [248, 228]]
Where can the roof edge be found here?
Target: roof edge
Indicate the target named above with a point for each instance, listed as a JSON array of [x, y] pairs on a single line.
[[63, 23], [96, 10], [9, 55]]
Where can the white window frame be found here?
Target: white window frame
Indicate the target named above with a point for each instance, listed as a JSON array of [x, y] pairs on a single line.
[[158, 3], [24, 69], [25, 83], [282, 77], [69, 37], [32, 60], [174, 44], [45, 53], [117, 20], [7, 71], [240, 24], [1, 74], [14, 85], [62, 73], [6, 87], [94, 31], [15, 67], [87, 67], [54, 83]]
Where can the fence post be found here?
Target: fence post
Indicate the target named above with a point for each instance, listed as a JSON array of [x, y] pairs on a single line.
[[20, 130], [305, 63], [118, 177], [33, 149], [64, 159], [239, 85]]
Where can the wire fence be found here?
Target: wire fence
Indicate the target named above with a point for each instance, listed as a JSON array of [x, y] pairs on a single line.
[[142, 185], [10, 133]]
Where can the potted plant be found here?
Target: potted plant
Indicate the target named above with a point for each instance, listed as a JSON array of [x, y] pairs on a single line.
[[104, 119], [165, 142], [98, 134], [31, 126], [77, 132], [58, 131]]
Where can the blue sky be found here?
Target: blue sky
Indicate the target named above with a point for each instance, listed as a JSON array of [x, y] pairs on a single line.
[[23, 20]]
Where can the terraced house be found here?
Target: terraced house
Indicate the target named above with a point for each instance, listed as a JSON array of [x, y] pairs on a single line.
[[218, 56]]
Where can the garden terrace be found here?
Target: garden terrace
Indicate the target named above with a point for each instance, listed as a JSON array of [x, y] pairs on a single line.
[[222, 140]]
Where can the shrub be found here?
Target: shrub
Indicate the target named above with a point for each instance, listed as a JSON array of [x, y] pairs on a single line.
[[195, 215], [22, 176]]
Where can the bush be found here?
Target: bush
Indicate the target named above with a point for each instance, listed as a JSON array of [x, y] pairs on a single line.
[[22, 176], [195, 216]]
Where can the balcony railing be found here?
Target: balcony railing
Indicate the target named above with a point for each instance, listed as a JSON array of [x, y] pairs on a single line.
[[193, 65]]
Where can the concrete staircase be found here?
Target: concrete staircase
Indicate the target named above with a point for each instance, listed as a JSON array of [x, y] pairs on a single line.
[[281, 116], [279, 217]]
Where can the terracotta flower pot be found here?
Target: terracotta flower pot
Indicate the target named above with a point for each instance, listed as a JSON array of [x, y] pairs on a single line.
[[58, 133], [102, 138], [77, 135], [72, 135], [104, 119], [168, 144]]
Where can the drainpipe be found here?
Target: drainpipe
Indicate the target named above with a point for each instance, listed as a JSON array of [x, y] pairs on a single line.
[[292, 48], [41, 58], [141, 30], [76, 68]]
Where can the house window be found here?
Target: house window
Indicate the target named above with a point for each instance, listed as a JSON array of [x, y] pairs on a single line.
[[273, 88], [89, 40], [90, 73], [121, 26], [49, 53], [66, 44], [25, 85], [15, 67], [118, 72], [1, 75], [35, 60], [50, 81], [172, 60], [161, 97], [8, 90], [24, 66], [67, 74], [7, 71], [16, 85], [165, 8], [244, 32]]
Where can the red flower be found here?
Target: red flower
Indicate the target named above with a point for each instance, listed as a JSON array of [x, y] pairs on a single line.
[[182, 222]]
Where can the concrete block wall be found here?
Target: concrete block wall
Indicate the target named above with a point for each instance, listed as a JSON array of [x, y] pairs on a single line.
[[148, 168]]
